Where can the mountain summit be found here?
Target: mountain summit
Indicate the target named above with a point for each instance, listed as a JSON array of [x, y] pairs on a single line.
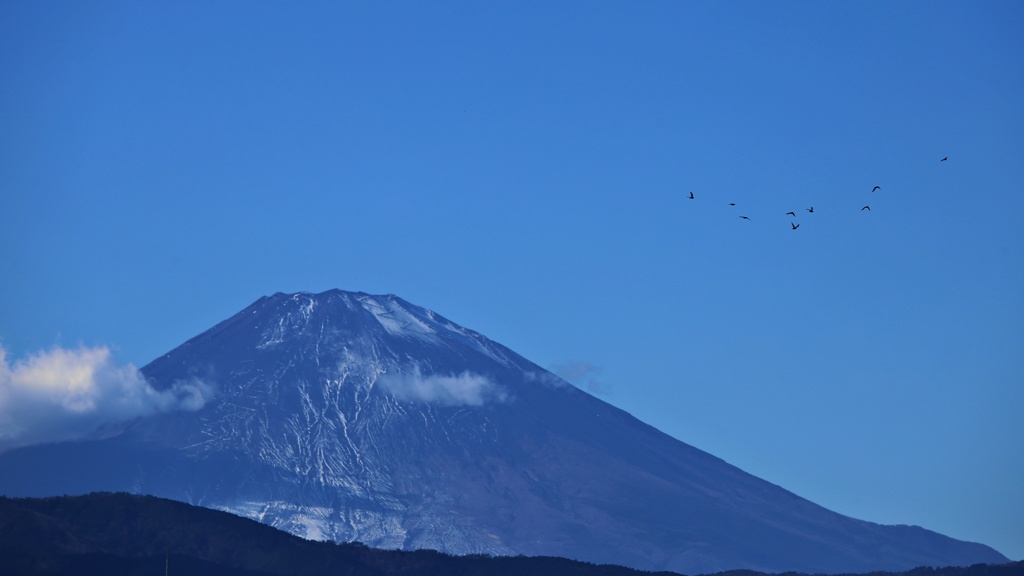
[[348, 416]]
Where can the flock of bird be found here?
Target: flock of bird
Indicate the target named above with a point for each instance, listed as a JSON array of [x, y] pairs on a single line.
[[810, 210]]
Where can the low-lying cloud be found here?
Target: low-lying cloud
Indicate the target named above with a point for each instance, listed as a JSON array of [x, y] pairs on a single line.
[[466, 389], [66, 394]]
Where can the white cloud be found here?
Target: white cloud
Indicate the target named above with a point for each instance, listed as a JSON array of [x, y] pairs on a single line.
[[466, 389], [546, 378], [63, 394], [582, 374]]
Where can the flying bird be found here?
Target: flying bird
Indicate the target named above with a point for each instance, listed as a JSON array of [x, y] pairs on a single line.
[[944, 158], [732, 203], [795, 226], [876, 188], [793, 214], [868, 208], [691, 195], [745, 217], [811, 209]]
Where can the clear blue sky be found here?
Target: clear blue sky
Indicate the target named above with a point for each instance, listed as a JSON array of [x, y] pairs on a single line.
[[523, 168]]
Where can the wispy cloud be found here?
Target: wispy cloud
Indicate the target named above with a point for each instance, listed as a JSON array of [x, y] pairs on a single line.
[[66, 394], [466, 389], [546, 378], [582, 375]]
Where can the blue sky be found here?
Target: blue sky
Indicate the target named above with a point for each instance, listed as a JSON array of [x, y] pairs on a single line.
[[523, 168]]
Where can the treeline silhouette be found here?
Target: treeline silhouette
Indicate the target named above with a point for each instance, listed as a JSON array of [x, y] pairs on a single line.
[[125, 534]]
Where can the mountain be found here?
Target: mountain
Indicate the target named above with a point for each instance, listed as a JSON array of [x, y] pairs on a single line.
[[345, 416]]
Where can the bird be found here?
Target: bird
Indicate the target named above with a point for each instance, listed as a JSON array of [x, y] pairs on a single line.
[[944, 158], [691, 195], [876, 188], [868, 208], [793, 214], [732, 203], [745, 217], [811, 209], [795, 226]]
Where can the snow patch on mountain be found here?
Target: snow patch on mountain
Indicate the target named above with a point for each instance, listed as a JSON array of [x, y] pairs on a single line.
[[382, 529], [395, 319]]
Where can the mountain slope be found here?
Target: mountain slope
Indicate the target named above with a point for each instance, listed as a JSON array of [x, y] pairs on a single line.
[[346, 416]]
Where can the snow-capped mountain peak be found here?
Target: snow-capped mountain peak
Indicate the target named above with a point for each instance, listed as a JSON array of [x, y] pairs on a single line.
[[350, 416]]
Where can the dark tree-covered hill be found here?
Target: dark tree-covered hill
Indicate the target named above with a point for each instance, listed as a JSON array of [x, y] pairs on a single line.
[[116, 533]]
